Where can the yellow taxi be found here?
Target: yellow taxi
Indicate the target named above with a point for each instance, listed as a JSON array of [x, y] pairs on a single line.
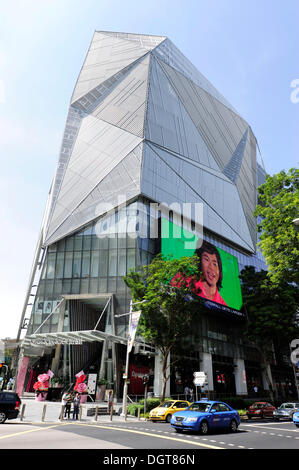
[[165, 410]]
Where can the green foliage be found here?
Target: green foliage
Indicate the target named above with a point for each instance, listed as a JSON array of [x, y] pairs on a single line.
[[270, 308], [167, 313], [278, 207]]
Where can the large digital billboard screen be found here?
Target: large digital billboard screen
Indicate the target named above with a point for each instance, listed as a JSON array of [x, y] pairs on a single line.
[[219, 283]]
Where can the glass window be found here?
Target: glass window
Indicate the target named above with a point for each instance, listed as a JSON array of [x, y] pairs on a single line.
[[51, 266], [59, 265], [122, 262], [103, 263], [87, 242], [69, 244], [86, 264], [130, 259], [95, 243], [112, 262], [94, 265], [68, 264], [78, 242], [75, 286], [77, 264]]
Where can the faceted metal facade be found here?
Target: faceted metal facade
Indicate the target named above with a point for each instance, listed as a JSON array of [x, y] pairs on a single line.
[[144, 121]]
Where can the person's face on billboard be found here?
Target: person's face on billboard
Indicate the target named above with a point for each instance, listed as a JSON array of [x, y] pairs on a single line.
[[210, 268]]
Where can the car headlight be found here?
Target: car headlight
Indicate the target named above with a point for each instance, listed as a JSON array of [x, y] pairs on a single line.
[[191, 420]]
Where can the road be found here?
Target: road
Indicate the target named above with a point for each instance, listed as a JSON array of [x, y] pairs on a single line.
[[266, 434]]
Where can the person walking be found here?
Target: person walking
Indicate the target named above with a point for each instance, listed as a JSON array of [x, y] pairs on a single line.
[[76, 402]]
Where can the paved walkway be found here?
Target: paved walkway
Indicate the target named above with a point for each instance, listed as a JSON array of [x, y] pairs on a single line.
[[49, 412]]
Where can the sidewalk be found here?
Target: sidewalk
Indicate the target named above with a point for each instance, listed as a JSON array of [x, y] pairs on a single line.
[[34, 412]]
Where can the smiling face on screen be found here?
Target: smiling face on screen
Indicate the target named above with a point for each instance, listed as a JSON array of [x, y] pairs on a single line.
[[210, 268]]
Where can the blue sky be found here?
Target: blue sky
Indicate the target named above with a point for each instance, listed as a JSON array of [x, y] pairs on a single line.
[[248, 49]]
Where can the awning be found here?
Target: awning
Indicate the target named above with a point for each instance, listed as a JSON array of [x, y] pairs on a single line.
[[70, 337]]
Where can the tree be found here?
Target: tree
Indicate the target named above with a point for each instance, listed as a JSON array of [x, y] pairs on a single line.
[[277, 208], [270, 310], [167, 314]]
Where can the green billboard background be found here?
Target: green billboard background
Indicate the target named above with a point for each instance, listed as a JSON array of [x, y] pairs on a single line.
[[177, 242]]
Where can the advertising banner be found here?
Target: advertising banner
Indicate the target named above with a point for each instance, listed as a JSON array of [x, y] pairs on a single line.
[[133, 327], [219, 284]]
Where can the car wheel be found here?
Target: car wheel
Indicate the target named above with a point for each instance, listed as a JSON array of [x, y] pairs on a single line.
[[204, 427], [168, 418], [233, 427], [2, 417], [297, 425]]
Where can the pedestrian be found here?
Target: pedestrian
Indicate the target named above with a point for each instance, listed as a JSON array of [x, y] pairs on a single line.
[[68, 404], [110, 401], [186, 391], [255, 389], [76, 402], [191, 394]]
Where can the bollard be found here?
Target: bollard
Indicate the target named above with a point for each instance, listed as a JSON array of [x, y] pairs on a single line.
[[138, 413], [44, 412], [111, 411], [80, 412], [96, 414], [62, 412], [22, 412]]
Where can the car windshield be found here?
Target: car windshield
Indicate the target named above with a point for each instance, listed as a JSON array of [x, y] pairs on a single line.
[[258, 405], [287, 405], [201, 407], [167, 404]]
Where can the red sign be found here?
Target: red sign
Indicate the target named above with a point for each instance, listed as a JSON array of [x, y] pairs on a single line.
[[136, 374]]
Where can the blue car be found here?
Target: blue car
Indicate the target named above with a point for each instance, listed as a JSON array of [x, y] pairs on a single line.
[[204, 416], [296, 419]]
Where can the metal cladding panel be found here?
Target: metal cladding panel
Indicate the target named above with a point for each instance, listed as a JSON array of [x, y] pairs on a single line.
[[98, 149], [171, 55], [106, 56], [168, 123], [167, 180], [70, 133], [121, 183], [233, 167], [125, 106], [220, 129], [144, 40]]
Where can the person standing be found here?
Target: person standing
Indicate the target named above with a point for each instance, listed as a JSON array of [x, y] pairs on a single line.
[[76, 402], [67, 409]]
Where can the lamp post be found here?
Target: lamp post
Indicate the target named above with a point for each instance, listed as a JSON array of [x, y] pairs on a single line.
[[125, 390]]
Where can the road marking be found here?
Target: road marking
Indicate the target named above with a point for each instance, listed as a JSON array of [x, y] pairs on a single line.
[[26, 432], [150, 434]]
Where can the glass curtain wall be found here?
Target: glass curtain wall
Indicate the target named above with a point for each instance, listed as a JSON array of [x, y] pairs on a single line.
[[92, 261]]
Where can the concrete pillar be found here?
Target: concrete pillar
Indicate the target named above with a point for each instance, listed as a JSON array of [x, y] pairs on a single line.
[[158, 376], [206, 365], [240, 377]]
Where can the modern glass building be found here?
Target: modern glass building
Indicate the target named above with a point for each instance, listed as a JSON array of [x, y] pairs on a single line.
[[144, 126]]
